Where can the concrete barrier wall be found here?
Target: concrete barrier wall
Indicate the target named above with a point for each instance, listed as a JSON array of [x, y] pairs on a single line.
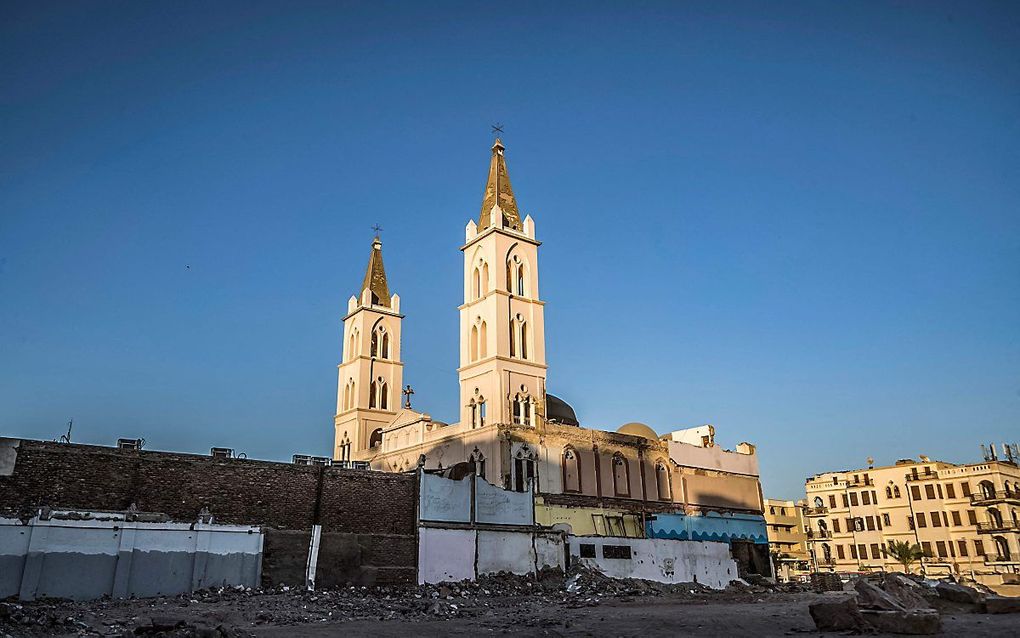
[[82, 559], [660, 560], [445, 500], [446, 555], [550, 551], [451, 555], [512, 552], [503, 507]]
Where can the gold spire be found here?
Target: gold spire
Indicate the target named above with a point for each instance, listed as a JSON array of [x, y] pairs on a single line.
[[375, 276], [498, 193]]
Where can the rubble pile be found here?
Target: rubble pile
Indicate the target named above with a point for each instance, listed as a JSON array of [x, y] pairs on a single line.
[[899, 604]]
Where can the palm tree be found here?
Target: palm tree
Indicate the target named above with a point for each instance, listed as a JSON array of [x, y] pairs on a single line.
[[905, 553]]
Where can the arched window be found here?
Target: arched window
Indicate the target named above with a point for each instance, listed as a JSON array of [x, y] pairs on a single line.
[[888, 491], [517, 410], [344, 450], [375, 440], [819, 502], [483, 339], [374, 351], [346, 405], [524, 340], [474, 412], [385, 344], [1001, 549], [509, 277], [383, 395], [896, 491], [481, 412], [474, 343], [521, 280], [513, 338], [373, 393], [662, 481], [527, 411], [823, 527], [524, 469], [485, 278], [995, 517], [478, 461], [827, 552], [571, 470], [621, 475], [987, 489], [476, 284], [350, 347]]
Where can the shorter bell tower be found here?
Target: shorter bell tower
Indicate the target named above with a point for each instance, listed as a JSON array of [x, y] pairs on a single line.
[[371, 373]]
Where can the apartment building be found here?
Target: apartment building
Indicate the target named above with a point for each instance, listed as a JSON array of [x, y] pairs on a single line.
[[785, 525], [965, 517]]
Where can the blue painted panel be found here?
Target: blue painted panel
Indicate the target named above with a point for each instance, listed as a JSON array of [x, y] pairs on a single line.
[[709, 527]]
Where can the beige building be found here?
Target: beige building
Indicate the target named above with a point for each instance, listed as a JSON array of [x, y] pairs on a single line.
[[965, 517], [787, 534], [511, 430]]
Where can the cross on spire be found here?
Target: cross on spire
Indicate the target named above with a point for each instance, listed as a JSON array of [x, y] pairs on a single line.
[[378, 229], [407, 392], [497, 129]]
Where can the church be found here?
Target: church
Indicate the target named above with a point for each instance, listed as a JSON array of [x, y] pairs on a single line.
[[512, 431]]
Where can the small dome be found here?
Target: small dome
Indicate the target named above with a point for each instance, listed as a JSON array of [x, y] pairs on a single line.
[[559, 411], [639, 429]]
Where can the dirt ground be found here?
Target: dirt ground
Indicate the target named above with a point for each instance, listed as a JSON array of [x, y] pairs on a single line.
[[451, 612], [778, 615]]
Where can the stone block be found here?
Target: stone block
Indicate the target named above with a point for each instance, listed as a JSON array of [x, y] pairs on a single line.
[[914, 623], [959, 593], [840, 615], [871, 596], [1002, 605]]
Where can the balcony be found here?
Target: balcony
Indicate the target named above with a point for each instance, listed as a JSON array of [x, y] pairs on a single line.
[[826, 562], [821, 534], [868, 482], [921, 477], [816, 511], [991, 498], [991, 527]]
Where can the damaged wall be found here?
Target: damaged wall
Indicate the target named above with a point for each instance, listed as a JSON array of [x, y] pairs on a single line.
[[82, 559], [368, 518], [664, 561], [471, 527], [451, 555]]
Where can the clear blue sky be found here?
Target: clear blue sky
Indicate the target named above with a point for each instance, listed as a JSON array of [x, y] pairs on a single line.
[[796, 221]]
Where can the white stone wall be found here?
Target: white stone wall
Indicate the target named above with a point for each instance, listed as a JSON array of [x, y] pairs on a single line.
[[661, 560]]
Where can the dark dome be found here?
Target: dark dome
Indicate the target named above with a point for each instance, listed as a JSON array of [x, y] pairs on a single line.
[[559, 411]]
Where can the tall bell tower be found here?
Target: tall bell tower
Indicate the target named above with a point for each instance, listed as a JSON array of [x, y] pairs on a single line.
[[371, 374], [502, 322]]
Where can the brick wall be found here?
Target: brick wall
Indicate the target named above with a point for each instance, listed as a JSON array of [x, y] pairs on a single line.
[[377, 508]]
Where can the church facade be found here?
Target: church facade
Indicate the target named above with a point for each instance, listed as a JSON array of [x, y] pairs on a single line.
[[512, 431]]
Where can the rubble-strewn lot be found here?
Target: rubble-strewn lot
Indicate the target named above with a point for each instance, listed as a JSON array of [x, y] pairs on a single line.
[[582, 604]]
